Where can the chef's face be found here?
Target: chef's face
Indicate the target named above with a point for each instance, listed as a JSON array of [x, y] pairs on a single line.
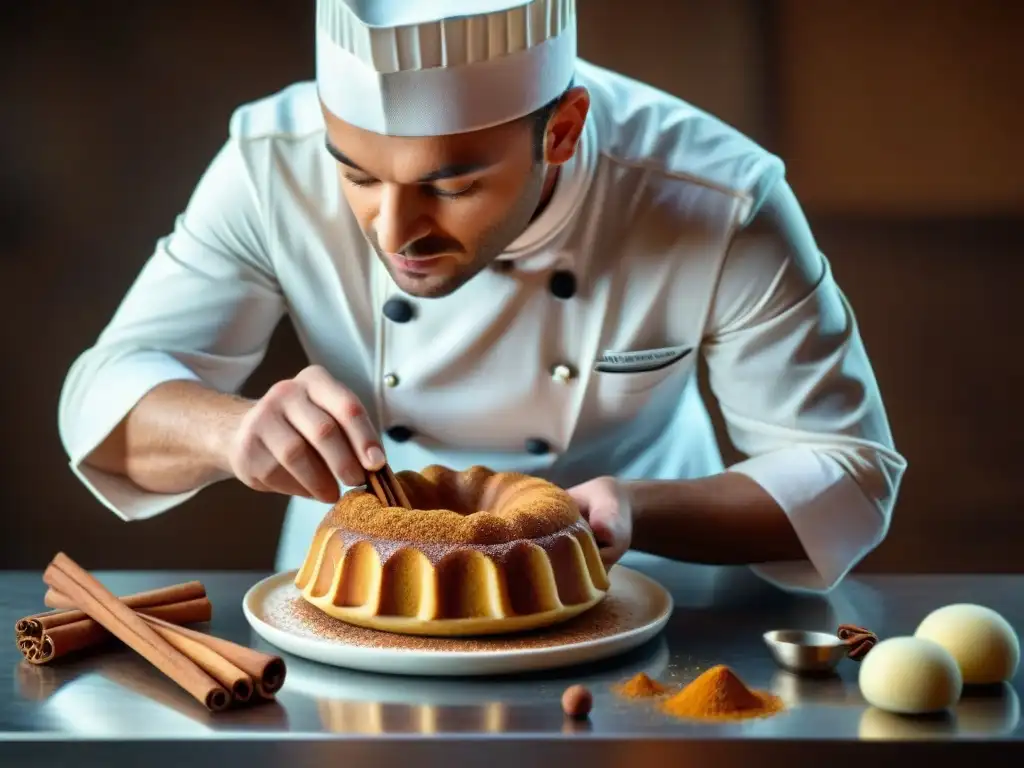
[[439, 209]]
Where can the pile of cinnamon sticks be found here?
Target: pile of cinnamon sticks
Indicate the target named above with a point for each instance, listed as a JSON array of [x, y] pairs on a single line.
[[216, 672]]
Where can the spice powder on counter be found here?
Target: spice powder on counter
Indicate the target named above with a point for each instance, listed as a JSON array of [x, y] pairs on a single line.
[[640, 686], [719, 694]]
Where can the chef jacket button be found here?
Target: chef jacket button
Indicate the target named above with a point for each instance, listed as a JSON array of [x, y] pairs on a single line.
[[537, 446], [563, 284], [391, 380], [398, 310], [563, 373], [399, 434]]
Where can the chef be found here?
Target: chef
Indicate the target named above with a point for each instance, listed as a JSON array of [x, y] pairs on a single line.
[[496, 253]]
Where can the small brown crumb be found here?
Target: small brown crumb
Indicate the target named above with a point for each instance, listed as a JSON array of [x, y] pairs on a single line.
[[577, 701]]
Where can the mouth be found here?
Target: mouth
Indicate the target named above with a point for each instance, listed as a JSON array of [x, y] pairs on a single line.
[[424, 266]]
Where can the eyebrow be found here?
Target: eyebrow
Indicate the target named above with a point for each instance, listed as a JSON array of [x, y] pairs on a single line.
[[451, 171]]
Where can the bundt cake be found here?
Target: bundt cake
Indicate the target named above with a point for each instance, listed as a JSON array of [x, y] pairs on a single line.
[[479, 553]]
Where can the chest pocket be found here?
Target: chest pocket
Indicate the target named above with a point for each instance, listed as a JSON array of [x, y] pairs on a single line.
[[626, 382]]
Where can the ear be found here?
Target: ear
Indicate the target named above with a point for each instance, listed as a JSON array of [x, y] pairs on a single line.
[[565, 126]]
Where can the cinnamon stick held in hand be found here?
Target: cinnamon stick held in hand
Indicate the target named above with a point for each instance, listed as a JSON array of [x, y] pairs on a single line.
[[387, 487]]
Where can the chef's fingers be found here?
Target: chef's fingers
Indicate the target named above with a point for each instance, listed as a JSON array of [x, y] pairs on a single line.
[[602, 531], [602, 536], [280, 482], [260, 462], [611, 554], [297, 456], [323, 432], [582, 506], [345, 407], [611, 544], [582, 502]]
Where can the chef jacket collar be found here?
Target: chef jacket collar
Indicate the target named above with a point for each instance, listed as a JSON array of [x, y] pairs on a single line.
[[538, 247]]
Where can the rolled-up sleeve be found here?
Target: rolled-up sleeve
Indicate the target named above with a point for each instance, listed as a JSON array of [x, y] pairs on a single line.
[[202, 308], [799, 397]]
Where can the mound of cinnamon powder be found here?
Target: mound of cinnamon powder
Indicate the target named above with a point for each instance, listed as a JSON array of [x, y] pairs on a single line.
[[640, 686], [719, 694]]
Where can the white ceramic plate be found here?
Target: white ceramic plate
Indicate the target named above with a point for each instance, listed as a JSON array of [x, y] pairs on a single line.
[[651, 606]]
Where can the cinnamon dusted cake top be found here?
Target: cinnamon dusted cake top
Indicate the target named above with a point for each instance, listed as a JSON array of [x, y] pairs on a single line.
[[477, 506]]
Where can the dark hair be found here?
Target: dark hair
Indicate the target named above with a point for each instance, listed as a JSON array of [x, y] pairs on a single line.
[[540, 119]]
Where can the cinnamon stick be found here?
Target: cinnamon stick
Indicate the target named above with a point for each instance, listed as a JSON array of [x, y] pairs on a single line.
[[66, 613], [54, 637], [387, 488], [396, 488], [267, 671], [379, 490], [66, 576], [215, 665], [175, 593]]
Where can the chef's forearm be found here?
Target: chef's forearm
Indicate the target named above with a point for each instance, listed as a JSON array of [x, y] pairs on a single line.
[[725, 519], [174, 440]]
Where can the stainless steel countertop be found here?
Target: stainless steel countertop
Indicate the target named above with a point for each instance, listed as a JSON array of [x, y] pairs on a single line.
[[112, 708]]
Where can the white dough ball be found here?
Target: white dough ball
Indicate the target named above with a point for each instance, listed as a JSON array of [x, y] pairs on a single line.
[[910, 676], [982, 642]]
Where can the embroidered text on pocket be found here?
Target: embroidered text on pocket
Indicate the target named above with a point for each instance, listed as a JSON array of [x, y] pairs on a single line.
[[640, 361]]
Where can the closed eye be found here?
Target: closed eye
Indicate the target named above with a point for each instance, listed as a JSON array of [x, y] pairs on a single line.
[[360, 182], [429, 189], [451, 194]]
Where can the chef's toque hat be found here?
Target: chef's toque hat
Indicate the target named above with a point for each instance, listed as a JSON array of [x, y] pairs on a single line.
[[434, 67]]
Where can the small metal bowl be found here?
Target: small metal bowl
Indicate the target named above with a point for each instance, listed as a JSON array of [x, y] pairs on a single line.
[[805, 652]]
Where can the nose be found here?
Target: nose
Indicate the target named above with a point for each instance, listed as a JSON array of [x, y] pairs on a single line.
[[398, 221]]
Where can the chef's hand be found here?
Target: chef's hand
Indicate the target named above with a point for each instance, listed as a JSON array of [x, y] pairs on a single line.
[[605, 505], [302, 435]]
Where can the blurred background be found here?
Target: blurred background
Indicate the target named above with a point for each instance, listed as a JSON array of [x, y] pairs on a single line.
[[900, 123]]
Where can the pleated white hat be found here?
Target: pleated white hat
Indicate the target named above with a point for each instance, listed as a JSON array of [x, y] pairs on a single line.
[[436, 67]]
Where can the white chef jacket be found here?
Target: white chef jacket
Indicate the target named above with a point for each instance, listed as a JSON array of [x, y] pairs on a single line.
[[676, 236]]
